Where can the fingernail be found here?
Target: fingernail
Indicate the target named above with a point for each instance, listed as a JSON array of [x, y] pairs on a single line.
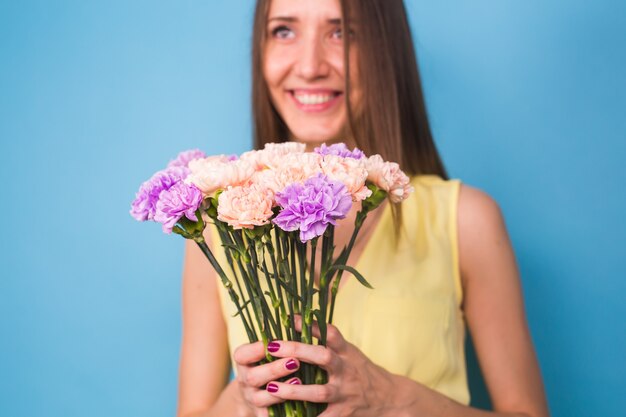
[[295, 381], [291, 365], [271, 387], [273, 347]]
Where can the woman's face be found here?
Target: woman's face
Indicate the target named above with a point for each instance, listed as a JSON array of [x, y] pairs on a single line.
[[304, 68]]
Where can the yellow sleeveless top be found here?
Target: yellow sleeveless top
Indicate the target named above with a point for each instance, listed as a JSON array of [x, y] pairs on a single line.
[[411, 323]]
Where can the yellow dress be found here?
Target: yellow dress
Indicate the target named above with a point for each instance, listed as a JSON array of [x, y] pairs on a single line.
[[411, 323]]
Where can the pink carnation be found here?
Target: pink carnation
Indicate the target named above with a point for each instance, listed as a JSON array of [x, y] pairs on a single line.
[[273, 154], [218, 172], [389, 177], [245, 206], [295, 168], [351, 172]]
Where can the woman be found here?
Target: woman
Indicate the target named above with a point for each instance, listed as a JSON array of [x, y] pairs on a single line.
[[311, 84]]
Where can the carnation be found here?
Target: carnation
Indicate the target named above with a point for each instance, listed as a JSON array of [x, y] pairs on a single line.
[[389, 177], [144, 206], [312, 206], [295, 168], [273, 154], [215, 173], [350, 171], [340, 149], [177, 201], [183, 158], [245, 206]]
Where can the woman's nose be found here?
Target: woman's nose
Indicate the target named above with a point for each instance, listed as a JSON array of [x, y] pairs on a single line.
[[312, 61]]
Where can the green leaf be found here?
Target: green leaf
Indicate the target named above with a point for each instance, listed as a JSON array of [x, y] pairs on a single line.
[[259, 309], [288, 289], [194, 229], [354, 272], [321, 322], [180, 231], [241, 309], [231, 246]]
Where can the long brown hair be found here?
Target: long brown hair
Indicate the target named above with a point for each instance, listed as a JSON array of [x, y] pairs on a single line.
[[392, 120]]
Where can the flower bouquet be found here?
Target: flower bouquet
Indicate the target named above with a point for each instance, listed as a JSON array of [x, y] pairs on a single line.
[[275, 212]]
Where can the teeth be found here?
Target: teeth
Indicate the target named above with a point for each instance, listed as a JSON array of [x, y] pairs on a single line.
[[313, 98]]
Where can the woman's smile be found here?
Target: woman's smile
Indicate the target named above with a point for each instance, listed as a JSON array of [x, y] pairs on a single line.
[[315, 100]]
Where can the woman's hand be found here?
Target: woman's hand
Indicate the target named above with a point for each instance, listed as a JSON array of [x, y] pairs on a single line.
[[253, 378], [356, 386]]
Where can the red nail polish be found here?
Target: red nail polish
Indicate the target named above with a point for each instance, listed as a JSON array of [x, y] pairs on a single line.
[[273, 347], [292, 365], [295, 381], [271, 387]]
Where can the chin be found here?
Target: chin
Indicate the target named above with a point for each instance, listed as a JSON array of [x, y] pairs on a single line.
[[313, 141], [316, 137]]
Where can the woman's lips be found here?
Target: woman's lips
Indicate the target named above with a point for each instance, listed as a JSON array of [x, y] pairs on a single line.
[[315, 100]]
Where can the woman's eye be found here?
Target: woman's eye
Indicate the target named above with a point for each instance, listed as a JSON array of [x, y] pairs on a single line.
[[338, 33], [282, 32]]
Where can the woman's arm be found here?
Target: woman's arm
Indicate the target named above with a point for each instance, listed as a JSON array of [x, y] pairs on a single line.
[[204, 362], [494, 308]]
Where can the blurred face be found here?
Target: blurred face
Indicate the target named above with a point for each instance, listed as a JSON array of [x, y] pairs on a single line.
[[304, 68]]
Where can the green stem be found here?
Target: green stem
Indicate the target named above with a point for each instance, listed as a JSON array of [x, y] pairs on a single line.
[[284, 262], [277, 302], [225, 237], [294, 280], [335, 288], [308, 322], [283, 313], [268, 321], [226, 282]]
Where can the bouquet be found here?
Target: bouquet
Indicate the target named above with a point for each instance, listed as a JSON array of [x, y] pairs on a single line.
[[275, 211]]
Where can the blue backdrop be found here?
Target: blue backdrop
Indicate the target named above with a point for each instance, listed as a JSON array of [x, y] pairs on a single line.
[[527, 101]]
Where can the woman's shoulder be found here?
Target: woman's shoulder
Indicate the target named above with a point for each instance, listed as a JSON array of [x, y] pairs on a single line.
[[469, 199], [475, 214], [480, 226], [477, 209]]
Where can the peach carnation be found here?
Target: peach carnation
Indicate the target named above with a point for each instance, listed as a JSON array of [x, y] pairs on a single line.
[[215, 173], [273, 154], [351, 172], [389, 177], [294, 168], [245, 206]]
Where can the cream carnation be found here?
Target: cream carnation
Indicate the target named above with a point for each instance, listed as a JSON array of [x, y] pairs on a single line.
[[245, 206], [294, 168], [273, 154], [215, 173], [389, 177], [351, 172]]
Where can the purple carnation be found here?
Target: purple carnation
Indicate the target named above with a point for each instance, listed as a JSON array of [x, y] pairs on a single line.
[[144, 206], [340, 149], [312, 206], [183, 158], [177, 201]]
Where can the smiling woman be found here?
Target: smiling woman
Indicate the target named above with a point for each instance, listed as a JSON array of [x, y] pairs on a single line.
[[442, 262]]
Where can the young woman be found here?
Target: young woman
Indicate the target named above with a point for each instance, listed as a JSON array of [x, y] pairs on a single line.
[[444, 260]]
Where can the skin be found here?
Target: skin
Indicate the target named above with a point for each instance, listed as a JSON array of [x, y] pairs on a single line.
[[306, 54]]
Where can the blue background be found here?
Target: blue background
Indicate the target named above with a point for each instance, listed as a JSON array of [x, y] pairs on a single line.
[[527, 101]]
